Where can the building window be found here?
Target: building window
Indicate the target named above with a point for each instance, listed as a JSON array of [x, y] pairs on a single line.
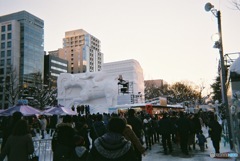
[[1, 71], [2, 54], [8, 70], [8, 61], [3, 37], [3, 45], [9, 27], [9, 35], [9, 53], [3, 28], [2, 63], [9, 44]]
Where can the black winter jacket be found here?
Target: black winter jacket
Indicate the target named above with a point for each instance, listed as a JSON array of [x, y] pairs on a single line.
[[112, 147]]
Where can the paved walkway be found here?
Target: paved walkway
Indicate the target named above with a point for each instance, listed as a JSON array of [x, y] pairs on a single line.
[[156, 154]]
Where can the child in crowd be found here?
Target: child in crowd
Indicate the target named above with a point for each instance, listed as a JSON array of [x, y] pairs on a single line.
[[201, 140], [81, 151]]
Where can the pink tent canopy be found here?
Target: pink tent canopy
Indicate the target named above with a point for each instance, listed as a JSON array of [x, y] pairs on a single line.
[[24, 109], [59, 110]]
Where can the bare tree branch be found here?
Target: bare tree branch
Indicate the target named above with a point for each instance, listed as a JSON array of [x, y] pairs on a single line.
[[236, 3]]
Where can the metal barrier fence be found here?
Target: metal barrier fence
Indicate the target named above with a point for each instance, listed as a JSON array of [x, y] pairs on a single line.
[[43, 149]]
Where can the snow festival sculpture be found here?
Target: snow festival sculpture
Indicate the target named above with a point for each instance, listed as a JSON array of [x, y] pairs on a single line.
[[101, 90], [87, 87]]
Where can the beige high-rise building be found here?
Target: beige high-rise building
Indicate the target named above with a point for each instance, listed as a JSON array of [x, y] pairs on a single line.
[[82, 51]]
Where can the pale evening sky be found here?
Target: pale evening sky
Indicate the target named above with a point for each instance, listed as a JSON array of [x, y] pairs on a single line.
[[171, 39]]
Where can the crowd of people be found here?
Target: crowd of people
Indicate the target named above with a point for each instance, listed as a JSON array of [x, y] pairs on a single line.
[[105, 137]]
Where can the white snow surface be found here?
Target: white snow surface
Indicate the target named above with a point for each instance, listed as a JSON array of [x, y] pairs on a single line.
[[235, 67]]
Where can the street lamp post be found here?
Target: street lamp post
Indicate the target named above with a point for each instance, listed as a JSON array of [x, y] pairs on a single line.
[[218, 44]]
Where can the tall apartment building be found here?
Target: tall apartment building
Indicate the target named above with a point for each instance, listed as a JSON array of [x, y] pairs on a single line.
[[22, 49], [82, 51]]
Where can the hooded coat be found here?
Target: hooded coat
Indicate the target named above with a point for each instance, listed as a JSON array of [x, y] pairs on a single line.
[[112, 147], [63, 146]]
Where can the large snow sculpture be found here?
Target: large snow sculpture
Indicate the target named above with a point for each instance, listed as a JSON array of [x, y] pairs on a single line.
[[101, 90], [84, 88]]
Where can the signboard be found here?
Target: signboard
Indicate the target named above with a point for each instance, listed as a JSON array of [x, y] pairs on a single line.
[[22, 102], [163, 101]]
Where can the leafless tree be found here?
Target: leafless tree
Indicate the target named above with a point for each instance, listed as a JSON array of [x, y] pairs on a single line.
[[236, 4], [11, 87], [41, 95], [175, 93]]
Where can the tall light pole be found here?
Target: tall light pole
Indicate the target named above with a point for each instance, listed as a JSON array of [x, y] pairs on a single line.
[[218, 44]]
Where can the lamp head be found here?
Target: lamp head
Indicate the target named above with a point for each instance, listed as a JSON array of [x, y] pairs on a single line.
[[215, 37], [208, 7]]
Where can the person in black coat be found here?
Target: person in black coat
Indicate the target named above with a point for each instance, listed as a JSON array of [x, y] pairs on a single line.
[[215, 132], [137, 127], [165, 128], [173, 117], [82, 130], [184, 129], [136, 123], [63, 140], [148, 131], [9, 126], [197, 126], [113, 146], [19, 144], [98, 128]]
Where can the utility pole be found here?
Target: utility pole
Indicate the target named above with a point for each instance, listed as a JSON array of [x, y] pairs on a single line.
[[219, 45]]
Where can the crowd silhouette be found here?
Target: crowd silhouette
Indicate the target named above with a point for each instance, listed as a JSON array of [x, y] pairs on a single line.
[[124, 136]]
